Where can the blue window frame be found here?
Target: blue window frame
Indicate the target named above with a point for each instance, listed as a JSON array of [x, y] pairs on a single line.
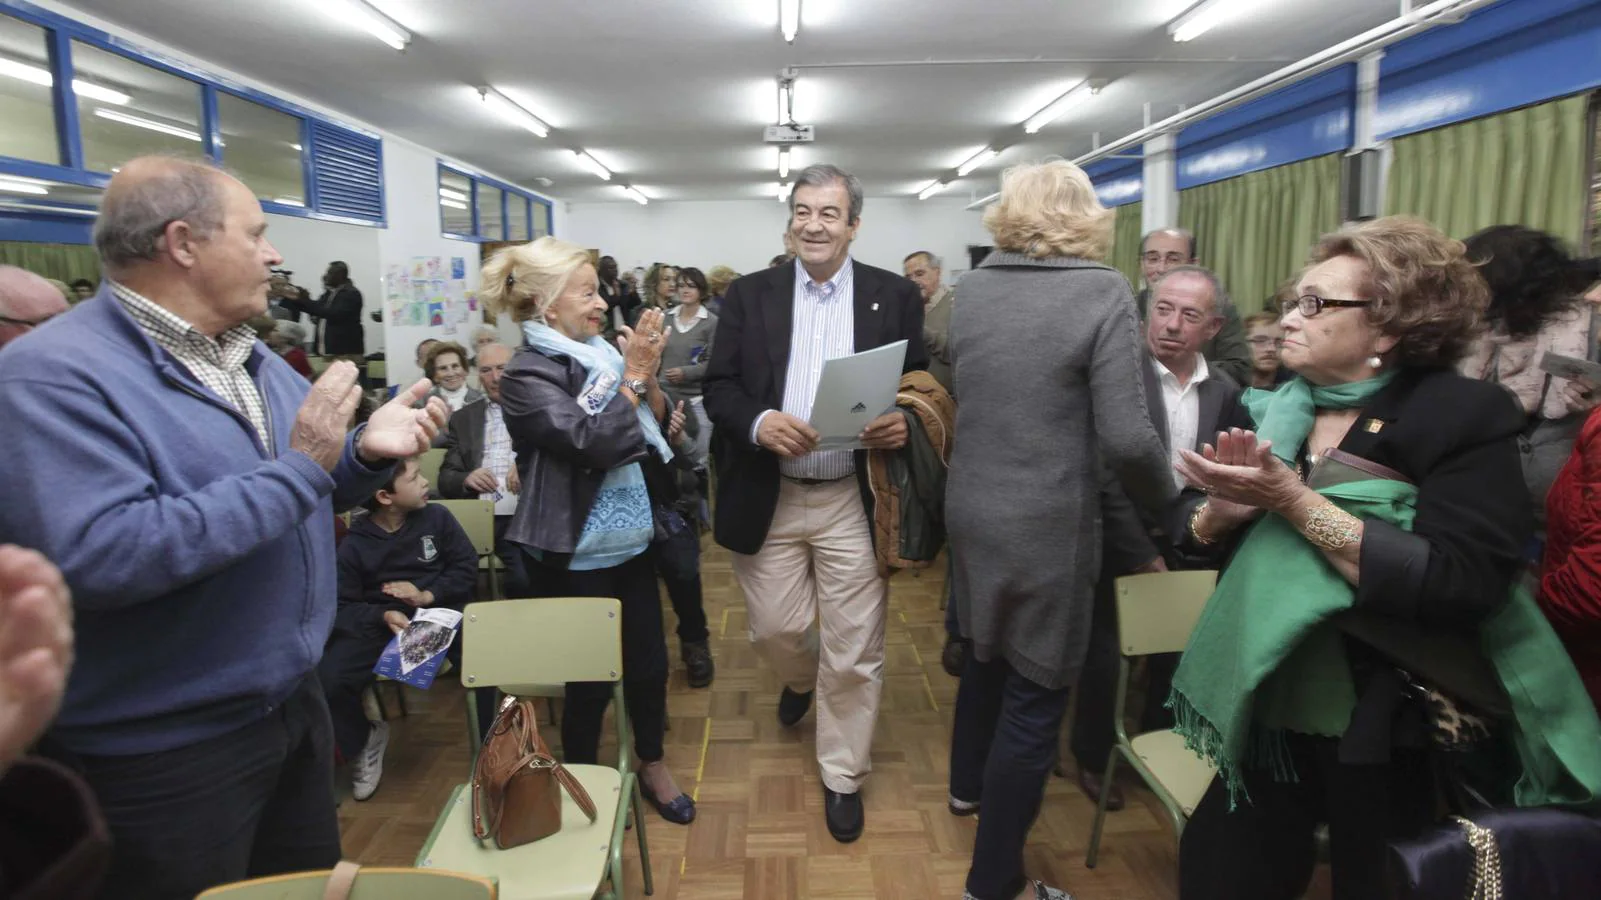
[[341, 166], [474, 207]]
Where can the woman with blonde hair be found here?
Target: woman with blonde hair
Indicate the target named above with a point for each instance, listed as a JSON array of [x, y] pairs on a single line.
[[661, 285], [718, 278], [586, 424], [1045, 354]]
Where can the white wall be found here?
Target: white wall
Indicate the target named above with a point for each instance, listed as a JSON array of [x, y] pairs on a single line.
[[745, 234], [308, 246]]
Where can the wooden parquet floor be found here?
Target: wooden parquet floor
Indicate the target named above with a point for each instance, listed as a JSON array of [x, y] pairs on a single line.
[[760, 833]]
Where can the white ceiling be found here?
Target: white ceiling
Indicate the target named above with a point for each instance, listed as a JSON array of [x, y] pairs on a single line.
[[672, 95]]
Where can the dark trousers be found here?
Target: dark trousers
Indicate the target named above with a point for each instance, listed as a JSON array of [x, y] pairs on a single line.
[[1265, 849], [345, 672], [1003, 747], [953, 626], [1093, 728], [255, 801], [678, 563], [644, 657], [514, 579]]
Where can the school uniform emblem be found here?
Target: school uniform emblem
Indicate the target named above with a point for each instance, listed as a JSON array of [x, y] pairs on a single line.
[[429, 551]]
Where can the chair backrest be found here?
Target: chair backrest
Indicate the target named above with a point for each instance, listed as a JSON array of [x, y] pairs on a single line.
[[377, 370], [477, 518], [370, 884], [428, 464], [547, 640], [1156, 612]]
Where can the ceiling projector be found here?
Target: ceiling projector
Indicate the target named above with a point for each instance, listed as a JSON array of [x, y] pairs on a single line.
[[789, 133]]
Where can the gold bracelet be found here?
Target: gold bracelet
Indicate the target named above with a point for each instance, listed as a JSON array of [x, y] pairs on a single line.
[[1329, 527], [1195, 526]]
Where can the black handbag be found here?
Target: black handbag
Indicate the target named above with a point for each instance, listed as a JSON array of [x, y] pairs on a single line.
[[1516, 854]]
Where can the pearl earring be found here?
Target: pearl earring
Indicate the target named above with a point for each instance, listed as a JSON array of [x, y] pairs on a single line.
[[1375, 363]]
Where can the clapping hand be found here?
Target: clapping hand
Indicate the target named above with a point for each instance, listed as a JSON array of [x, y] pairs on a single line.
[[398, 429], [675, 423], [324, 417], [1241, 475], [406, 592], [35, 648], [642, 345]]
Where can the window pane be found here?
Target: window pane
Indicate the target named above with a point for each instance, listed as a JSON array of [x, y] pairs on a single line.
[[541, 220], [455, 197], [516, 217], [262, 147], [26, 107], [489, 221], [157, 112]]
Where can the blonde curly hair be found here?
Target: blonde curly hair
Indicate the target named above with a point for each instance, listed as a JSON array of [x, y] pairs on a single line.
[[1050, 209], [523, 281]]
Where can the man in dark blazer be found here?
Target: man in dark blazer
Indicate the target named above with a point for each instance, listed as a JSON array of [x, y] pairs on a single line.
[[466, 474], [799, 520], [338, 311], [1186, 397]]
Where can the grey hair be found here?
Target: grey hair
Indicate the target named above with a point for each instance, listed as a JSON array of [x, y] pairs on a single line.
[[1184, 233], [825, 174], [294, 331], [1221, 303], [933, 261], [133, 220]]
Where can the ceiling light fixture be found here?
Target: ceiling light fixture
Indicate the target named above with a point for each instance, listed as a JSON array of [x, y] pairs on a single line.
[[933, 188], [783, 162], [783, 191], [512, 111], [592, 165], [42, 77], [453, 204], [786, 100], [635, 195], [1204, 16], [151, 124], [365, 16], [17, 187], [450, 194], [1056, 108], [789, 19], [976, 160]]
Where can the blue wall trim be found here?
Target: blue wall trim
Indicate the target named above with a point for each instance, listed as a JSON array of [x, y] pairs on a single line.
[[1304, 120], [1118, 182], [43, 228], [1506, 56], [507, 189]]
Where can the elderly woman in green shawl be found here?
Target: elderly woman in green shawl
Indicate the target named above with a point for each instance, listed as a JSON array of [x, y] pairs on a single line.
[[1372, 506]]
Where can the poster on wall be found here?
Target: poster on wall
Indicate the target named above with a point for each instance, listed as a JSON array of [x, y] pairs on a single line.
[[431, 292]]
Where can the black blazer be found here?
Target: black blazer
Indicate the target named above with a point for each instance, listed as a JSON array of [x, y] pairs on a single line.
[[1132, 540], [745, 377], [340, 332], [464, 449]]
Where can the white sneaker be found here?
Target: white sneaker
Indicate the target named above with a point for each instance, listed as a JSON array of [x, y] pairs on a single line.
[[368, 768]]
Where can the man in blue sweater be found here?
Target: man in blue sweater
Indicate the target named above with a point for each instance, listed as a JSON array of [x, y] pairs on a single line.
[[405, 554], [184, 479]]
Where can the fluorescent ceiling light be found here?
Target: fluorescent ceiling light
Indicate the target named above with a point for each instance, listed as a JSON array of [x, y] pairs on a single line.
[[17, 187], [592, 165], [509, 110], [933, 188], [786, 100], [151, 124], [1204, 16], [1054, 110], [783, 191], [789, 19], [453, 204], [976, 160], [362, 15], [43, 78], [635, 195], [783, 162], [453, 195]]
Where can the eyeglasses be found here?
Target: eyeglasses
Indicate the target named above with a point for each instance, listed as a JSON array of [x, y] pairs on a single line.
[[1311, 304], [1154, 257], [25, 323]]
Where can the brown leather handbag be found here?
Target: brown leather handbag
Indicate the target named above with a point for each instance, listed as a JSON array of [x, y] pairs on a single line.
[[517, 784]]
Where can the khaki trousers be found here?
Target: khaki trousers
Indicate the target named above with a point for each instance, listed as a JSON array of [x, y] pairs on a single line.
[[817, 567]]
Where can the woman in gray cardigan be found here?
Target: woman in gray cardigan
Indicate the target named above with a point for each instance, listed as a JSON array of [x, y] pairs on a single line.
[[684, 361], [1045, 354]]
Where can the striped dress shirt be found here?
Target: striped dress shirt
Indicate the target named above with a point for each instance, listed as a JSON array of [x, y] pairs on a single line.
[[219, 363], [824, 327]]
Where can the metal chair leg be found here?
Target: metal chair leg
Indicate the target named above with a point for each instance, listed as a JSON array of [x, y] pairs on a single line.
[[1094, 853], [639, 833]]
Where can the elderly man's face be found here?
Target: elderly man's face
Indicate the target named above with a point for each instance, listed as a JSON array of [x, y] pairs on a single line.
[[922, 271], [1163, 251], [820, 225], [1183, 316], [233, 267], [26, 302]]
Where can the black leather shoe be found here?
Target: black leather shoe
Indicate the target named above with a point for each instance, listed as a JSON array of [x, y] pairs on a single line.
[[792, 707], [698, 663], [844, 815], [954, 658]]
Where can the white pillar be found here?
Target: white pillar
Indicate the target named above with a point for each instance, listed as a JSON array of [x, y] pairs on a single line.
[[1364, 129], [1160, 208]]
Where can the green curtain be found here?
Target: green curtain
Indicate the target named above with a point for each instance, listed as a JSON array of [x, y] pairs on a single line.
[[1126, 243], [1256, 230], [1523, 167], [63, 262]]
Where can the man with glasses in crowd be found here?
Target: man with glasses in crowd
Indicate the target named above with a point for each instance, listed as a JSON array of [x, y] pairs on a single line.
[[26, 302], [1167, 248]]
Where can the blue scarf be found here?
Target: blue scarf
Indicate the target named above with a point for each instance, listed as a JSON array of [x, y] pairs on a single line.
[[620, 523]]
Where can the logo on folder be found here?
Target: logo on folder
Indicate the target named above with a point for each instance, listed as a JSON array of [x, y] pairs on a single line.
[[860, 407]]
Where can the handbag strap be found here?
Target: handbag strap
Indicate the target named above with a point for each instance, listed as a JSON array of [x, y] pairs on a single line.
[[576, 791], [341, 881]]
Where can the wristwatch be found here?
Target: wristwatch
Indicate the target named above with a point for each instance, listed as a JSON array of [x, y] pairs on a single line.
[[638, 385]]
